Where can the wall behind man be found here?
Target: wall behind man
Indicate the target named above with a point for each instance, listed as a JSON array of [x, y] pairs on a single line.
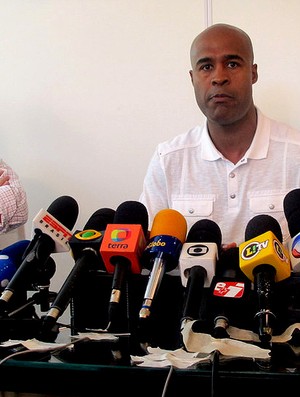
[[89, 87]]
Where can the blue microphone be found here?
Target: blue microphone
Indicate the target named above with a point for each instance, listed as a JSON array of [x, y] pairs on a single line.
[[10, 260]]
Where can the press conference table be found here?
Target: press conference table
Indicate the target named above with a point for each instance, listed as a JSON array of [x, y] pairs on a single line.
[[69, 375], [89, 369]]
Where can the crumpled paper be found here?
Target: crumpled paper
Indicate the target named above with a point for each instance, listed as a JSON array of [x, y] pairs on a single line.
[[198, 347]]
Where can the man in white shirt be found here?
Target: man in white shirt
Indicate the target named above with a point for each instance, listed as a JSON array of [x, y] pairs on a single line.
[[239, 163]]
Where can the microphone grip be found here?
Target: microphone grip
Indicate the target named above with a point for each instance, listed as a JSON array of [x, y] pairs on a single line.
[[119, 280], [194, 293], [153, 284], [264, 280]]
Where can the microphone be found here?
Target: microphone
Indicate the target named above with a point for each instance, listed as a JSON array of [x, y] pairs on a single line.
[[52, 234], [10, 260], [264, 260], [291, 206], [162, 252], [229, 294], [197, 264], [122, 247], [85, 246]]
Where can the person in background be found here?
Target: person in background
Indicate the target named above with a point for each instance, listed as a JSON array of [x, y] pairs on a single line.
[[13, 200], [239, 163]]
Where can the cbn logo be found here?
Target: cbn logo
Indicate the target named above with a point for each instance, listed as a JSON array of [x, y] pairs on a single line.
[[120, 234]]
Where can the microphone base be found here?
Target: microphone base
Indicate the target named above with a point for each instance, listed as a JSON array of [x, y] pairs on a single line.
[[21, 329]]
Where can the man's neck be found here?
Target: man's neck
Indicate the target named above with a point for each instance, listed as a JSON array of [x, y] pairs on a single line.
[[235, 139]]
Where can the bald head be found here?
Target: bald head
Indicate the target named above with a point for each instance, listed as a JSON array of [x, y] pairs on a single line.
[[219, 33]]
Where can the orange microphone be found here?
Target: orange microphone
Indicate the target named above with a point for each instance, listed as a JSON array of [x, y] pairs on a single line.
[[161, 255], [122, 246]]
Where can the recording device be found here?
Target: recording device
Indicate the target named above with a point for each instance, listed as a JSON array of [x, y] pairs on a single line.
[[197, 264], [121, 249], [162, 252], [291, 205], [51, 234], [264, 260], [85, 246]]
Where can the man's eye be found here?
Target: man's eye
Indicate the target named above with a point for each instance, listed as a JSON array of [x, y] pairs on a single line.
[[232, 65], [206, 67]]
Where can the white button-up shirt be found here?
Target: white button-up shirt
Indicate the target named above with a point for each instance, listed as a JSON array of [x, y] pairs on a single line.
[[189, 174]]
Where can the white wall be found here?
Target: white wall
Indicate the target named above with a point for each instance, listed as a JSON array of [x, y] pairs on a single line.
[[89, 87]]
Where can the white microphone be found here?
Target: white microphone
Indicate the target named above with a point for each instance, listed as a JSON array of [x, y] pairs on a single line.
[[291, 205], [197, 264]]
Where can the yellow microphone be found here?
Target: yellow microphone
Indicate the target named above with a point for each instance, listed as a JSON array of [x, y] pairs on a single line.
[[264, 260]]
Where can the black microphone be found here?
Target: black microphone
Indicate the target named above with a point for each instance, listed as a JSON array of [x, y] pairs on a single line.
[[291, 206], [197, 264], [85, 246], [229, 297], [122, 247], [52, 234], [265, 261]]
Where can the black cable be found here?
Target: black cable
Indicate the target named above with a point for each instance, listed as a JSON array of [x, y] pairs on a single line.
[[214, 372]]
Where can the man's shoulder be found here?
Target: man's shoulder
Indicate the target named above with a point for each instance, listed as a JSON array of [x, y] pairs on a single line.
[[188, 139], [281, 131]]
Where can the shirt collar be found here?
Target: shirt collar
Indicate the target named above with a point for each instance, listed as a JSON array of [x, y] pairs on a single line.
[[257, 150]]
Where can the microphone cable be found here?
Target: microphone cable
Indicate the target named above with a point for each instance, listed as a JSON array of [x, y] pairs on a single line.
[[167, 382], [214, 372]]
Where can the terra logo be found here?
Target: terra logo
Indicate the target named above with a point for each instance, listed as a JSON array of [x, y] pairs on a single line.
[[120, 234]]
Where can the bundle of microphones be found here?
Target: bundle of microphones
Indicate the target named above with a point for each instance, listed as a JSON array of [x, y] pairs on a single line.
[[219, 288]]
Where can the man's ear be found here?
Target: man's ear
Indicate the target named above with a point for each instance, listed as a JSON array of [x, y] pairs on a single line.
[[254, 73], [191, 76]]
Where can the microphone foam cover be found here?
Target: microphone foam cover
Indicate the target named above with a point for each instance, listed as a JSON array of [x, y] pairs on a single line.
[[65, 209], [15, 251], [291, 206], [132, 213], [169, 222], [100, 219], [261, 224], [205, 231]]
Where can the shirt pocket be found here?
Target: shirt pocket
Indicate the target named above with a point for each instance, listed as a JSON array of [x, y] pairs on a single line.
[[194, 208], [270, 203], [266, 203]]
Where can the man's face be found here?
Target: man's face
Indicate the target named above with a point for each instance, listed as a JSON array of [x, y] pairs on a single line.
[[222, 75]]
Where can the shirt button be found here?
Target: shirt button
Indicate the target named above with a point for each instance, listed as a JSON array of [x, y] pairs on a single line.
[[191, 210], [232, 196], [232, 175], [271, 206]]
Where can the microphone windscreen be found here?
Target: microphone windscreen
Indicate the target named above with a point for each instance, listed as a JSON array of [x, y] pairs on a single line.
[[65, 209], [169, 222], [100, 219], [206, 231], [291, 206], [15, 251], [132, 213], [261, 224]]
